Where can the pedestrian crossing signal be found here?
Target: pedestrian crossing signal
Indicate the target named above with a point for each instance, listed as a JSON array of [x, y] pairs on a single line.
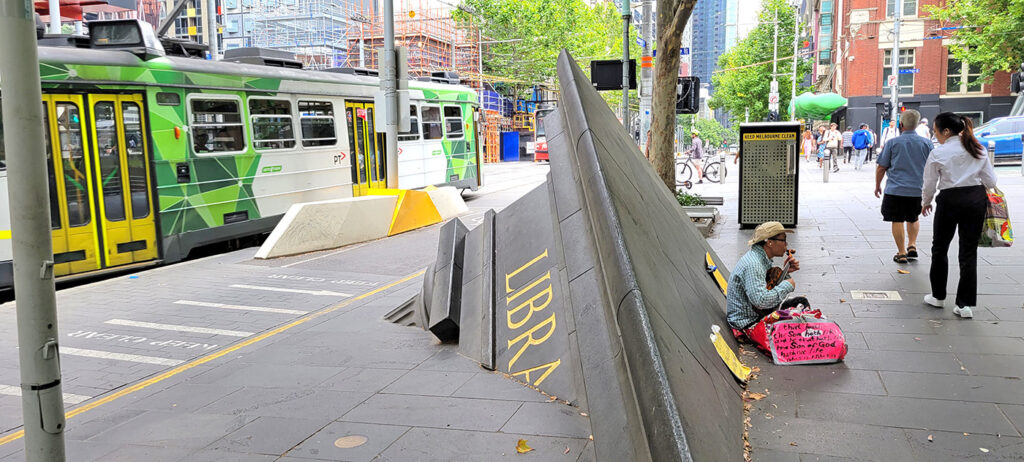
[[688, 95]]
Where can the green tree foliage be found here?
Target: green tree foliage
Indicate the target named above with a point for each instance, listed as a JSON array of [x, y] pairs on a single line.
[[535, 31], [994, 34], [744, 80], [710, 130]]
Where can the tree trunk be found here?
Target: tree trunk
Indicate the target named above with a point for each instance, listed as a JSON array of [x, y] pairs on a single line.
[[672, 18]]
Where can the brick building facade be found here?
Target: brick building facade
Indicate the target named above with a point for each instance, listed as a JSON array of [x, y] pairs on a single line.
[[856, 64]]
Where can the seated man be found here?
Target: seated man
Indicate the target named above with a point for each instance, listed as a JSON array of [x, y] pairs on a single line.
[[749, 299]]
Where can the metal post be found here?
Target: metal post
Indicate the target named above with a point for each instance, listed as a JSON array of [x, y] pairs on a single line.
[[54, 16], [796, 39], [895, 62], [480, 62], [774, 106], [646, 73], [41, 397], [389, 85], [211, 29], [626, 16]]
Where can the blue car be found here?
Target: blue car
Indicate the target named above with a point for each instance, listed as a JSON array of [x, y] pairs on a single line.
[[1005, 133]]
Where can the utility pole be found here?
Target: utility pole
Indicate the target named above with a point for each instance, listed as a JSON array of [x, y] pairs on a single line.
[[42, 402], [796, 39], [55, 16], [646, 70], [626, 16], [389, 85], [894, 90], [480, 62], [211, 29], [773, 96]]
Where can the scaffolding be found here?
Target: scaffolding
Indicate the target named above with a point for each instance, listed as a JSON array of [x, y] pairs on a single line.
[[315, 30]]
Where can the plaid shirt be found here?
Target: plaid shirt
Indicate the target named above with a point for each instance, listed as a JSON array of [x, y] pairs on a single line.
[[748, 292]]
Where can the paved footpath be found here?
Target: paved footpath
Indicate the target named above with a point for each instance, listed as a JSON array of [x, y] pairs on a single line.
[[918, 383], [231, 358]]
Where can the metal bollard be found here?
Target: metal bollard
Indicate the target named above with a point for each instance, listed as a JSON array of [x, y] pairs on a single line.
[[826, 165]]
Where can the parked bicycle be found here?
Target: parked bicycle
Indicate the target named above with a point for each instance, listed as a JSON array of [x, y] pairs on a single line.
[[711, 165]]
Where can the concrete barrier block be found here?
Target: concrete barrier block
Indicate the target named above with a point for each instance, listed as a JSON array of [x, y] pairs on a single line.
[[448, 202], [312, 226]]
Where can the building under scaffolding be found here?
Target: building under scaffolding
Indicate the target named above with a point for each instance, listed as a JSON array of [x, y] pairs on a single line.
[[312, 29]]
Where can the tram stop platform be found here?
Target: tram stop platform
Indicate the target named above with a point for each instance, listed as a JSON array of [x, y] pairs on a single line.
[[290, 359]]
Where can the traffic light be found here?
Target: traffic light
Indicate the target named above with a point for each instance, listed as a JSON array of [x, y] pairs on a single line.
[[886, 110], [688, 95], [773, 116], [1015, 79]]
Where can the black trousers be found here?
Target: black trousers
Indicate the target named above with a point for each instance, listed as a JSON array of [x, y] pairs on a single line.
[[960, 210], [847, 151]]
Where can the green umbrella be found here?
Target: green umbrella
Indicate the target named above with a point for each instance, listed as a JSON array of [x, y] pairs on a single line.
[[821, 106]]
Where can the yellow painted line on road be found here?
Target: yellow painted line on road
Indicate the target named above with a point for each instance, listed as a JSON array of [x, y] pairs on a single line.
[[210, 357], [5, 234]]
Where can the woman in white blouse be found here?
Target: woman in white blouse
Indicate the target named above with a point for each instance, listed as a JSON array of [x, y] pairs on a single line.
[[959, 168]]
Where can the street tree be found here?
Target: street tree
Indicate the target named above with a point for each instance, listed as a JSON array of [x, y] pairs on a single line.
[[992, 38], [743, 80], [671, 20], [530, 34]]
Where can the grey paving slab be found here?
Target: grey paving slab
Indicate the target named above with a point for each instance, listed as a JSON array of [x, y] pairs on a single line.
[[362, 379], [172, 429], [772, 455], [831, 439], [325, 444], [182, 397], [433, 444], [438, 412], [550, 419], [1015, 413], [589, 454], [450, 360], [135, 453], [954, 387], [890, 411], [269, 375], [821, 458], [907, 361], [205, 455], [308, 403], [428, 383], [994, 365], [948, 446], [936, 343], [269, 435], [491, 385], [834, 377]]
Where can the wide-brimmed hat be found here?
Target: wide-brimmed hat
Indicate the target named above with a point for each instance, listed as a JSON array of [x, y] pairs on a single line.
[[767, 230]]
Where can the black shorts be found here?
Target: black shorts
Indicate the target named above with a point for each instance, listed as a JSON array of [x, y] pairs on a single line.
[[901, 208]]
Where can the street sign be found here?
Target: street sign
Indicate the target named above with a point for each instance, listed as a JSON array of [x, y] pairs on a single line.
[[641, 42], [891, 82], [684, 51], [909, 71], [773, 98]]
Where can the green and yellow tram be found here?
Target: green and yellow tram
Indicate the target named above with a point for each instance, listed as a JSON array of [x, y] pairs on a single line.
[[152, 155]]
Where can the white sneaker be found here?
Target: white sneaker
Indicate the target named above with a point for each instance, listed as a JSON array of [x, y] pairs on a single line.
[[964, 312], [929, 299]]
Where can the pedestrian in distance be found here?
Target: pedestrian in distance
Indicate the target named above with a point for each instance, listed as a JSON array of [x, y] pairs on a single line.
[[902, 160], [834, 144], [697, 153], [922, 129], [873, 144], [847, 144], [821, 139], [808, 145], [860, 141], [960, 170]]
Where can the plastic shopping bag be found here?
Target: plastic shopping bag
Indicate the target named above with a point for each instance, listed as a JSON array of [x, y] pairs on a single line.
[[997, 231]]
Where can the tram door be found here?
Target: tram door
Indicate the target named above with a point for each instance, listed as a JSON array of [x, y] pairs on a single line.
[[367, 146], [75, 242], [121, 167]]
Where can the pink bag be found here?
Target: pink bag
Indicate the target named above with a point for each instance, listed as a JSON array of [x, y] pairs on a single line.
[[805, 337]]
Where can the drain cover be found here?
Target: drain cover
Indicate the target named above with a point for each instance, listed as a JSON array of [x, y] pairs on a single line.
[[890, 295], [351, 441]]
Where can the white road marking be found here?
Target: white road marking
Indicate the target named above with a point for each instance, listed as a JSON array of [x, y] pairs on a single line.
[[297, 291], [239, 307], [69, 398], [119, 356], [177, 328]]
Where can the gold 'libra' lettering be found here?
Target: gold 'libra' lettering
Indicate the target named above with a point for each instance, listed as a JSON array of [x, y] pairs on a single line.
[[509, 276], [546, 292], [530, 340], [550, 367]]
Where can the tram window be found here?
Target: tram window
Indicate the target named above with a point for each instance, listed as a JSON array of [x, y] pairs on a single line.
[[72, 154], [168, 99], [431, 123], [414, 126], [453, 122], [217, 126], [105, 116], [135, 146], [317, 120], [271, 124]]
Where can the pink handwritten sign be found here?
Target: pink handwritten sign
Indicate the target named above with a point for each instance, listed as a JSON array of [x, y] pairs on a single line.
[[807, 342]]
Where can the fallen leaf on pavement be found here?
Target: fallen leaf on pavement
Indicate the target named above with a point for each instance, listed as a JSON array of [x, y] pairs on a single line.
[[566, 450], [983, 449], [584, 414], [966, 434], [522, 448], [591, 437], [930, 438], [756, 396], [918, 339], [842, 300], [792, 443], [902, 271]]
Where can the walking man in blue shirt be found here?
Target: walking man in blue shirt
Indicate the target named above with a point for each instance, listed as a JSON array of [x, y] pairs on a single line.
[[902, 159]]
